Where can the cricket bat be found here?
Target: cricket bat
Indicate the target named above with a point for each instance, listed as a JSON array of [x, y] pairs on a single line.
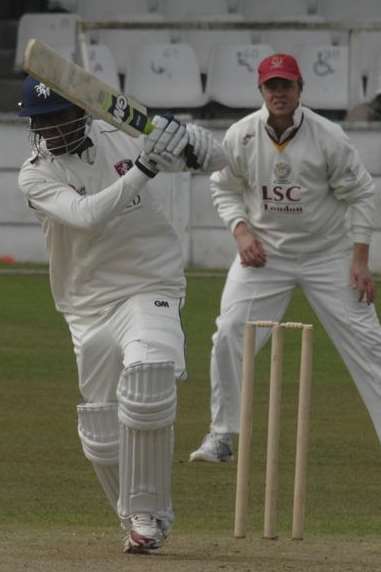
[[85, 90]]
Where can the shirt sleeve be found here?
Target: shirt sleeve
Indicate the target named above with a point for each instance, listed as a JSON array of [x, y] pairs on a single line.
[[352, 183], [228, 187], [60, 202]]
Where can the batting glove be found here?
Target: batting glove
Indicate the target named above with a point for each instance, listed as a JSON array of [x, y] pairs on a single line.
[[163, 147]]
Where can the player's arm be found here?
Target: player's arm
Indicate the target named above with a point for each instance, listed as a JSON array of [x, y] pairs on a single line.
[[185, 147], [227, 194], [54, 198], [62, 203], [352, 183], [361, 278], [250, 248], [192, 147], [208, 152], [229, 185]]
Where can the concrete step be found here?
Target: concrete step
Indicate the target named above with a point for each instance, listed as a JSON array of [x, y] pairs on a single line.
[[7, 61], [8, 34], [10, 94]]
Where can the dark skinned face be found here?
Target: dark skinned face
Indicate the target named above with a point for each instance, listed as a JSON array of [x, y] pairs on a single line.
[[61, 130]]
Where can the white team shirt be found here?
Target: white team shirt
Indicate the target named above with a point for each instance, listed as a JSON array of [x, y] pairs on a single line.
[[295, 194], [107, 236]]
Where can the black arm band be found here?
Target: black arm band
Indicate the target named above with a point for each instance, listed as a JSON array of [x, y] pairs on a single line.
[[151, 174]]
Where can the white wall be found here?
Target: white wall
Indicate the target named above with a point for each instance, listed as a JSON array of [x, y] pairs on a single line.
[[20, 235]]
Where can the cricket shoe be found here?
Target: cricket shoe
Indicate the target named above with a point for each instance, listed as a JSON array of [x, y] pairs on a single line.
[[215, 448], [145, 533]]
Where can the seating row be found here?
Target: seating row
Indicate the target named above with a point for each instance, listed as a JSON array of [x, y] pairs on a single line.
[[61, 30], [226, 58], [168, 75], [255, 9]]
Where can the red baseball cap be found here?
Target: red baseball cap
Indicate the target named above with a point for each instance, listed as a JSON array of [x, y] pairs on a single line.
[[278, 65]]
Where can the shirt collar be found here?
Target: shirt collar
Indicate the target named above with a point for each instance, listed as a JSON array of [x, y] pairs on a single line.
[[290, 131], [86, 152]]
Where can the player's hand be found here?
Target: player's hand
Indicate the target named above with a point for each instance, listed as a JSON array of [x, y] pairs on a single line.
[[250, 248], [208, 152], [163, 147], [361, 278], [362, 281]]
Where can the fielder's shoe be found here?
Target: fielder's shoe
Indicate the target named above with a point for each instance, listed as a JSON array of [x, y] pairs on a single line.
[[146, 533], [215, 448]]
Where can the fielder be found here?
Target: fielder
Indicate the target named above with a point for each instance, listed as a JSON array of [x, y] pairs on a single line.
[[116, 274], [300, 205]]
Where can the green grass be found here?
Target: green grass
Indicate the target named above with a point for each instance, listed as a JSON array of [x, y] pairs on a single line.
[[45, 480]]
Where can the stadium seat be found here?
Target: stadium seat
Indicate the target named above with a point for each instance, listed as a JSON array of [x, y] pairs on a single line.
[[232, 75], [203, 41], [352, 11], [101, 63], [57, 30], [116, 9], [165, 76], [365, 65], [224, 11], [123, 43], [273, 10], [325, 73], [180, 9], [293, 41]]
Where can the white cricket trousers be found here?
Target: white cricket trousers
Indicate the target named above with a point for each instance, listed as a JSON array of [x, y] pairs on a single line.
[[145, 328], [264, 294]]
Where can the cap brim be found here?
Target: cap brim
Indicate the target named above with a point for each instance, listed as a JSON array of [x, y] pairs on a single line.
[[281, 75], [43, 110]]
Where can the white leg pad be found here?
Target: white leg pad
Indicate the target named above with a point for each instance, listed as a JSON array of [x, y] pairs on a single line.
[[147, 411], [98, 430]]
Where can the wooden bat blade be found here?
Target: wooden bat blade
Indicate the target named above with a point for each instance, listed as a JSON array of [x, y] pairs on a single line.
[[84, 89]]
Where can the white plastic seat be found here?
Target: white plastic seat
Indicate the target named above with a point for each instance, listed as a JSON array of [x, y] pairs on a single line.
[[116, 9], [123, 43], [271, 10], [180, 9], [203, 41], [101, 63], [360, 11], [56, 30], [325, 74], [292, 41], [165, 75], [365, 66], [232, 75]]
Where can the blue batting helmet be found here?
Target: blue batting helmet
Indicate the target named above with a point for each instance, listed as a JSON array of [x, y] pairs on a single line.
[[38, 99]]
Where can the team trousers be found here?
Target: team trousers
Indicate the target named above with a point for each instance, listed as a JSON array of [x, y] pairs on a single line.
[[264, 294], [128, 359], [145, 328]]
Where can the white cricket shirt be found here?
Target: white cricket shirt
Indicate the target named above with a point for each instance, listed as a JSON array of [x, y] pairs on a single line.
[[107, 236], [295, 194]]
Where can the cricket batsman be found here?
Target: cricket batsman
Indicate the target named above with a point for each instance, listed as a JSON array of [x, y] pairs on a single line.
[[116, 274]]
